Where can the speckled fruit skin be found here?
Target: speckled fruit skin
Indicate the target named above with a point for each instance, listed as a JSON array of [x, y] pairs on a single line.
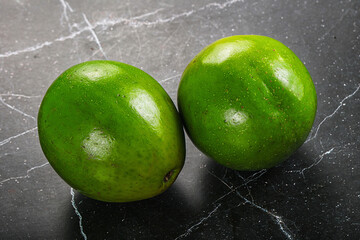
[[247, 101], [111, 132]]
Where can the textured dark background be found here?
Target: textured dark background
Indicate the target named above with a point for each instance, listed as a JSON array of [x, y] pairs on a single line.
[[315, 194]]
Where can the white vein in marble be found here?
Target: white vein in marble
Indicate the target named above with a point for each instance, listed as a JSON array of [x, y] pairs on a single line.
[[66, 6], [77, 213], [328, 31], [18, 95], [169, 78], [316, 162], [91, 29], [332, 114], [25, 176], [195, 226], [278, 219], [5, 141], [15, 109], [247, 180], [134, 22]]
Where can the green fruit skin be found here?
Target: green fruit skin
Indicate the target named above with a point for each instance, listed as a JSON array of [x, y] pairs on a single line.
[[111, 132], [247, 101]]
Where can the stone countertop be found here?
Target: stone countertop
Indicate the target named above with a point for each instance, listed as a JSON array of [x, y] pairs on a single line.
[[315, 194]]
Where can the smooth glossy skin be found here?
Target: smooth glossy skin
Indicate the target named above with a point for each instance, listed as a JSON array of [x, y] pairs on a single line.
[[111, 132], [247, 102]]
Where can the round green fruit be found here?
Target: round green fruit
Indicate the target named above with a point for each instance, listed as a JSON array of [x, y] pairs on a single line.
[[247, 102], [111, 132]]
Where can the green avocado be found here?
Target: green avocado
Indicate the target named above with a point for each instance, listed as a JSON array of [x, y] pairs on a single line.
[[111, 132], [247, 102]]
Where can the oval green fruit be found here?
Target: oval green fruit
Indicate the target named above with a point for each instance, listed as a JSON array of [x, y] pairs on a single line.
[[247, 101], [111, 132]]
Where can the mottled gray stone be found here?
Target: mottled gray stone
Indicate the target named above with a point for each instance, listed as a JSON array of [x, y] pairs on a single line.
[[315, 194]]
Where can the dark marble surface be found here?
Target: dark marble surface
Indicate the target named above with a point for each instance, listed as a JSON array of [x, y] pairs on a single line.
[[315, 194]]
